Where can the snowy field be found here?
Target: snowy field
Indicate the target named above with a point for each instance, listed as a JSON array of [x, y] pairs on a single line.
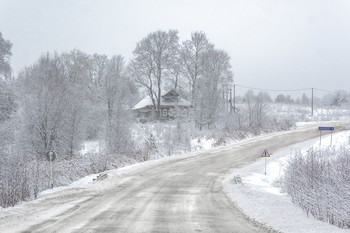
[[261, 199]]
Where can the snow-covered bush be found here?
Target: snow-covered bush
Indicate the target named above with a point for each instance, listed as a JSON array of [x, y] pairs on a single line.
[[319, 183], [23, 178]]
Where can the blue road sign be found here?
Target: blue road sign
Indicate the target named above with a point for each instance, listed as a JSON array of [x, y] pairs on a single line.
[[326, 128]]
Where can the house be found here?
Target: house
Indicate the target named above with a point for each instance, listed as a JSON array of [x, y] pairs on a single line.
[[171, 106]]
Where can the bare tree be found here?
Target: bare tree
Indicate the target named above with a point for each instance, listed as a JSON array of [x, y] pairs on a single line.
[[261, 108], [113, 84], [53, 98], [194, 56], [7, 101], [256, 108], [97, 72], [249, 102], [43, 93], [338, 99], [217, 77], [305, 100], [5, 56], [112, 91], [155, 56], [116, 90], [7, 96], [76, 66]]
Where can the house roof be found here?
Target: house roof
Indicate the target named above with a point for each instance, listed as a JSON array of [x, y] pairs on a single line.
[[164, 101], [171, 95]]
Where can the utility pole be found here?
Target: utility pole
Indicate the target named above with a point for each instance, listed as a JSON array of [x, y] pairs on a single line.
[[223, 100], [230, 99], [312, 101], [227, 99], [234, 98]]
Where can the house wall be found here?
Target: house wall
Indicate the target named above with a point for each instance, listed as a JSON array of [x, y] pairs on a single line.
[[166, 113], [173, 112]]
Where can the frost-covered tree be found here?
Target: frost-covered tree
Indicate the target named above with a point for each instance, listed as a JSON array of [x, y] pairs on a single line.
[[154, 59], [217, 76], [256, 108], [281, 98], [249, 99], [7, 96], [12, 188], [60, 94], [194, 57], [265, 97], [5, 56], [7, 101], [208, 73], [116, 91], [338, 99], [305, 100], [44, 96], [112, 93], [76, 66], [261, 108], [95, 126]]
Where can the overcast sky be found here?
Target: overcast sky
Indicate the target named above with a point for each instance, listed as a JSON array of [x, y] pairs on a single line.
[[274, 44]]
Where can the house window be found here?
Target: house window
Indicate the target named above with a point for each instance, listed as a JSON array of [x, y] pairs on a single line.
[[165, 112]]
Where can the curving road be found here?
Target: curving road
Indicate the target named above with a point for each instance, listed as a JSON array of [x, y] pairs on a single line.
[[178, 195]]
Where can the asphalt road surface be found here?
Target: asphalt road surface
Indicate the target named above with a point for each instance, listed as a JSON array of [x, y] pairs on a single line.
[[180, 195]]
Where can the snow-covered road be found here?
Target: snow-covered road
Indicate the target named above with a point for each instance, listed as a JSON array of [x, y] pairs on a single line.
[[180, 194]]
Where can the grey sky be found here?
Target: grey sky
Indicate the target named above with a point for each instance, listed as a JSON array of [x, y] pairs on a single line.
[[278, 44]]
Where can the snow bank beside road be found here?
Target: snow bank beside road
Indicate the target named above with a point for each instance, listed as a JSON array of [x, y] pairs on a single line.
[[55, 201], [261, 200]]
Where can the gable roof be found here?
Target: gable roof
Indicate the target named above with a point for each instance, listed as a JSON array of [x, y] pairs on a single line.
[[172, 95], [170, 99]]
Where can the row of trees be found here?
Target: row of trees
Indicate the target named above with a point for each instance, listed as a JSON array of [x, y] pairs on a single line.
[[194, 68], [7, 97], [337, 99], [64, 99], [56, 104], [69, 97]]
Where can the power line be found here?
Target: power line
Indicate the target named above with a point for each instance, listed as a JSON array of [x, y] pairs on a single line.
[[325, 90], [284, 90], [281, 90]]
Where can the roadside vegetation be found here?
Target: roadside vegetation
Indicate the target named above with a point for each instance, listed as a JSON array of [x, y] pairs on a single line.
[[319, 182]]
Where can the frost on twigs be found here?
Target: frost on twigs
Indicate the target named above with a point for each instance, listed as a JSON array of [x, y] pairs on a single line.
[[319, 183]]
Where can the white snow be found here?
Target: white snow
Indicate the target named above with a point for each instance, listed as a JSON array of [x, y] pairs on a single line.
[[202, 143], [257, 197], [90, 147], [147, 101], [261, 200]]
